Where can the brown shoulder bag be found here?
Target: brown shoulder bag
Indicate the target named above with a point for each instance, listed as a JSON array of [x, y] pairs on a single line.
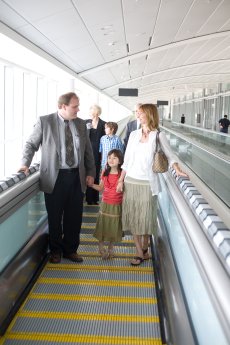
[[160, 161]]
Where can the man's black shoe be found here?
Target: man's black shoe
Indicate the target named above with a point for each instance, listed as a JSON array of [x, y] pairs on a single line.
[[73, 257], [55, 258]]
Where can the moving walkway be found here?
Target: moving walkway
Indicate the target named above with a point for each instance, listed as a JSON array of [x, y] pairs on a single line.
[[179, 297], [207, 167]]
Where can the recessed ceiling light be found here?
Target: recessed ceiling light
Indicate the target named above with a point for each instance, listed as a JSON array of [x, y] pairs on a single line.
[[140, 34], [106, 27]]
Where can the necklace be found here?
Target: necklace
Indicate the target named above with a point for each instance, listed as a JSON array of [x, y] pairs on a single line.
[[145, 134]]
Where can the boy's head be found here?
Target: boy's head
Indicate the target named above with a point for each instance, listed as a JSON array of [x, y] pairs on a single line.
[[111, 128]]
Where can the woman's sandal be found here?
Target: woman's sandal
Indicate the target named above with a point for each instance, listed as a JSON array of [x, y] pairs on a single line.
[[104, 254], [138, 260], [146, 255], [111, 254]]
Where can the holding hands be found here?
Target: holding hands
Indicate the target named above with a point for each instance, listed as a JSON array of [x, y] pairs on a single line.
[[89, 181]]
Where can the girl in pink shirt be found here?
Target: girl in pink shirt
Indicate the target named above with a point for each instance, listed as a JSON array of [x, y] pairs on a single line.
[[108, 226]]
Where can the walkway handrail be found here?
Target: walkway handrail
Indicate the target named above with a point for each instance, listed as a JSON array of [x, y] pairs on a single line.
[[211, 268], [16, 189]]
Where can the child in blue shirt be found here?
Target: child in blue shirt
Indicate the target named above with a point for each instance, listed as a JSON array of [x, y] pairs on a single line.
[[109, 141]]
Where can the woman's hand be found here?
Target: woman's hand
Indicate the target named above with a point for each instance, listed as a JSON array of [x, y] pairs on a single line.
[[120, 185], [178, 170]]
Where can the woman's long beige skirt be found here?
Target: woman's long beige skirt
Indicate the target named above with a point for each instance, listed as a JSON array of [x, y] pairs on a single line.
[[139, 208]]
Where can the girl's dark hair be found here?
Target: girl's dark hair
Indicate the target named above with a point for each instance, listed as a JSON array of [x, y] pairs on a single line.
[[119, 155]]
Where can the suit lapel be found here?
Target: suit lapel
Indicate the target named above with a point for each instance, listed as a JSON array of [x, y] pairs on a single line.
[[77, 124], [100, 129], [55, 131]]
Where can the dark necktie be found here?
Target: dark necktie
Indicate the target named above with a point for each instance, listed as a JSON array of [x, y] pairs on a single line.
[[69, 156]]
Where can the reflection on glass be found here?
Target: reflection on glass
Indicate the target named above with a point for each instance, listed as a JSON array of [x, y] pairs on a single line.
[[203, 316], [16, 230], [211, 169]]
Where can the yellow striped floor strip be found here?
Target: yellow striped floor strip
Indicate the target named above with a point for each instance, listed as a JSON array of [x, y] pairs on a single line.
[[89, 215], [99, 268], [82, 339], [117, 255], [87, 316], [66, 281], [107, 299], [88, 238]]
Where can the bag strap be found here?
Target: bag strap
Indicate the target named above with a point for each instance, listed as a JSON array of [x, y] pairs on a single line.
[[157, 141]]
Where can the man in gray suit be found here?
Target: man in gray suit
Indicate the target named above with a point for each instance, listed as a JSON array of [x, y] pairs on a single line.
[[63, 182], [132, 126]]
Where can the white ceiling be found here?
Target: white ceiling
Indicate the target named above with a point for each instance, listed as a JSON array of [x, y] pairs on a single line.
[[165, 48]]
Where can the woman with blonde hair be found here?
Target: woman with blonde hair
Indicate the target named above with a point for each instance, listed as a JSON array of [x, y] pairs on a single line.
[[139, 214], [96, 129]]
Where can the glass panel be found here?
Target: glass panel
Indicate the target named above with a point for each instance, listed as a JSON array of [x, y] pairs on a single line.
[[42, 97], [29, 103], [16, 230], [213, 170], [226, 105], [2, 121], [206, 324]]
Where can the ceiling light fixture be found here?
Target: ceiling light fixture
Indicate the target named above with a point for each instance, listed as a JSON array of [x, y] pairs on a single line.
[[106, 27]]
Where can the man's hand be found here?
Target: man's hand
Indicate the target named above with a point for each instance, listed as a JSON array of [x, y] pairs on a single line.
[[89, 181], [24, 169]]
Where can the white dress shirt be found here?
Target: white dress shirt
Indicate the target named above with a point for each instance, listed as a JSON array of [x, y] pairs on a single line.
[[138, 158]]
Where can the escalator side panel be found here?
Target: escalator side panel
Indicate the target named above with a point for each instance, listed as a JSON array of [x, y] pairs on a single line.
[[19, 273]]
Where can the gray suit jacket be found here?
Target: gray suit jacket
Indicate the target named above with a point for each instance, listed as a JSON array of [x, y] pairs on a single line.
[[46, 134], [131, 126]]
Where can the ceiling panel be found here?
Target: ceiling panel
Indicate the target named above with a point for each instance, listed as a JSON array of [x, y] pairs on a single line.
[[10, 17], [170, 56], [205, 51], [154, 61], [137, 66], [218, 21], [162, 47], [139, 32], [170, 17], [186, 52], [101, 79], [198, 14], [32, 10]]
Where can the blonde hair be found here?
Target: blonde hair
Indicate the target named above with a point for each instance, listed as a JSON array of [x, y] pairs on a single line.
[[152, 115], [98, 108]]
